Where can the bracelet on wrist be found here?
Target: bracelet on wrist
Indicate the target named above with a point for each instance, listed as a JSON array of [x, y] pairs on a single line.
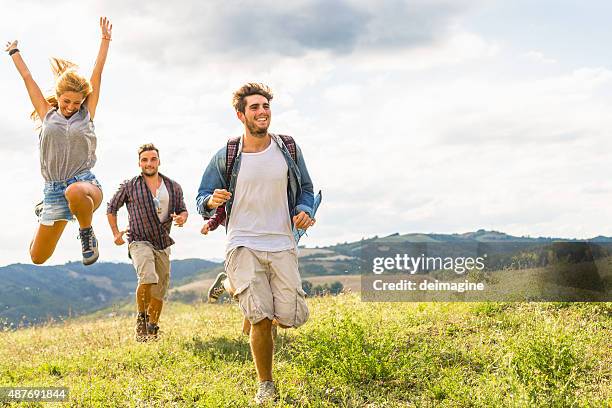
[[106, 38], [13, 51]]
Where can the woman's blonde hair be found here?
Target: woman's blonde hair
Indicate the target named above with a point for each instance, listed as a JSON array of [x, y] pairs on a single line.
[[66, 80]]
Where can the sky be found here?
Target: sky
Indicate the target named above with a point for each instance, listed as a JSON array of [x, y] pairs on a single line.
[[413, 116]]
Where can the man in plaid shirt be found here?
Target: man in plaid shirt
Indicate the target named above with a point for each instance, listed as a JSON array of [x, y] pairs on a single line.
[[153, 202]]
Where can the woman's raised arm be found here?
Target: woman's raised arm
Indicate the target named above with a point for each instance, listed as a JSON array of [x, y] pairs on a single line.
[[96, 76], [36, 96]]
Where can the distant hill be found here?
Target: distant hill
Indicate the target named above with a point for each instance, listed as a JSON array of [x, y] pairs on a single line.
[[32, 294], [343, 261], [478, 236], [502, 249]]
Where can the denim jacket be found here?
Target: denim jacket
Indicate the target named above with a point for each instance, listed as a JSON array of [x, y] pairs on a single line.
[[300, 196]]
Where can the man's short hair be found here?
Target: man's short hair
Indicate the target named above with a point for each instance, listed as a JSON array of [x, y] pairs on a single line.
[[251, 88], [147, 147]]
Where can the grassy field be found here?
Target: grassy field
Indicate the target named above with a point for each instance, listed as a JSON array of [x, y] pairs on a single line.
[[350, 354]]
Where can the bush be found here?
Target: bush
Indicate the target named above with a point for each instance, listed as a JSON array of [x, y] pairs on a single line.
[[547, 364], [346, 350], [327, 289]]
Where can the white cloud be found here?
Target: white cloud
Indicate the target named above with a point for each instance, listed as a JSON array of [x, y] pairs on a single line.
[[455, 49], [192, 32], [444, 134], [538, 56]]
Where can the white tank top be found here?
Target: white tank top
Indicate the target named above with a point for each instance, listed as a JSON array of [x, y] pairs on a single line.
[[260, 213], [162, 202]]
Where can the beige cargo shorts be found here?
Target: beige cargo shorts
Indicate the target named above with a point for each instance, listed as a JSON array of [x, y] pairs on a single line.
[[152, 266], [267, 285]]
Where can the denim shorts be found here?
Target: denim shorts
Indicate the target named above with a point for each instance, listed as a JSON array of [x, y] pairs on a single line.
[[55, 205]]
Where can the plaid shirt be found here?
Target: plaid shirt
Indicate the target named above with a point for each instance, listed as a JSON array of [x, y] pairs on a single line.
[[217, 219], [144, 224]]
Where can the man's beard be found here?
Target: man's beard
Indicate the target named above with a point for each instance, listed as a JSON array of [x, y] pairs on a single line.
[[254, 130], [149, 173]]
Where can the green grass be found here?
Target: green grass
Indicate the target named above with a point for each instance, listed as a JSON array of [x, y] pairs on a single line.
[[350, 354]]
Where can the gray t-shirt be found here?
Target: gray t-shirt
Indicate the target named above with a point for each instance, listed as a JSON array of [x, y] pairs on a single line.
[[67, 146]]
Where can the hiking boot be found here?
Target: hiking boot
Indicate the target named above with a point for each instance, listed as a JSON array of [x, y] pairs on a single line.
[[141, 327], [217, 288], [38, 209], [89, 244], [152, 331], [266, 393]]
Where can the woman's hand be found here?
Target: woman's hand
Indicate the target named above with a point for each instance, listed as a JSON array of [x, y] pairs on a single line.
[[106, 27], [41, 106], [96, 76], [10, 46]]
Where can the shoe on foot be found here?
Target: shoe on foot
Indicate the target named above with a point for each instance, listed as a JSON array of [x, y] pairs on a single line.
[[152, 331], [141, 327], [266, 392], [89, 244], [38, 209], [217, 288]]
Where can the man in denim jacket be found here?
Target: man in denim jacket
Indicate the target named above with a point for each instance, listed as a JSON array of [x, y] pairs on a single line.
[[267, 198]]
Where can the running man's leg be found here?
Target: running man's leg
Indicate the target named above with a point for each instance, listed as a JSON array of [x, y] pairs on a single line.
[[143, 297], [246, 327], [143, 260], [160, 289], [262, 347], [155, 309], [44, 242], [248, 274]]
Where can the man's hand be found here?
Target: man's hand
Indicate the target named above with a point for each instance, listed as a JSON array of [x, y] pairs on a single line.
[[205, 229], [179, 220], [303, 221], [219, 197], [119, 237]]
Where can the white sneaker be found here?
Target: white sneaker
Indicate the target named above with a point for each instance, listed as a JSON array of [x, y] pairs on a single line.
[[217, 288], [266, 392]]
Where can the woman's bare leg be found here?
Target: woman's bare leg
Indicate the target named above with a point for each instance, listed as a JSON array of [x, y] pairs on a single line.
[[83, 199], [44, 242]]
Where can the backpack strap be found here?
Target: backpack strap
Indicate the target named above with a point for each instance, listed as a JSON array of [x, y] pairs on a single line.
[[232, 151], [290, 144], [230, 157]]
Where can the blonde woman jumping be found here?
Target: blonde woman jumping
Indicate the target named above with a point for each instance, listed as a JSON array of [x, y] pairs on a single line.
[[67, 143]]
